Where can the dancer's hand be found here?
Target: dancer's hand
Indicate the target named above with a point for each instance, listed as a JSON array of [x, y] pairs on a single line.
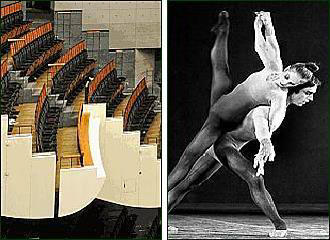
[[299, 98], [266, 150], [257, 22], [265, 18], [266, 153]]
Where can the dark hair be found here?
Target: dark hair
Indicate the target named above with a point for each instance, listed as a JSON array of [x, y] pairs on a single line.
[[314, 82], [306, 70]]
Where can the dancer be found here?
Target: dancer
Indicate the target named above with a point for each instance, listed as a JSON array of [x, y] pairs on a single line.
[[267, 87], [255, 125]]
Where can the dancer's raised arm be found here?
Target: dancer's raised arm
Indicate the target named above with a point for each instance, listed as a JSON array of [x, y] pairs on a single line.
[[268, 49]]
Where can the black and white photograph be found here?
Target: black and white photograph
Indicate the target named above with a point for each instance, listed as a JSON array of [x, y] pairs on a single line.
[[247, 131]]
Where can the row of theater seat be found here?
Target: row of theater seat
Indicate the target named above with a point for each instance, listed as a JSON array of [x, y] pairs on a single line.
[[42, 48], [107, 88], [11, 16], [69, 72], [47, 119], [9, 92], [77, 85], [139, 112], [12, 25]]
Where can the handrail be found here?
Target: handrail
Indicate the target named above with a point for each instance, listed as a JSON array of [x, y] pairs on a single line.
[[83, 136], [19, 126], [4, 68], [10, 9], [40, 102], [29, 37], [70, 54], [137, 91], [100, 76], [70, 158], [148, 138]]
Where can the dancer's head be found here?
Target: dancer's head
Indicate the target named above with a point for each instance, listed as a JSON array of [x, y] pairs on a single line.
[[299, 73], [303, 93]]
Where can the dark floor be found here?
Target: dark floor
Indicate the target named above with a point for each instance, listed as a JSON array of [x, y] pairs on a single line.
[[99, 219], [238, 226]]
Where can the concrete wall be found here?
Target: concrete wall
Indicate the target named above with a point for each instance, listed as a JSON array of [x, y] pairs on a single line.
[[132, 24], [144, 65]]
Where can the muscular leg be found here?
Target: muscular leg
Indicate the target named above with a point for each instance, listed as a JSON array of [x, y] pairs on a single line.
[[203, 169], [203, 140], [221, 82], [236, 162]]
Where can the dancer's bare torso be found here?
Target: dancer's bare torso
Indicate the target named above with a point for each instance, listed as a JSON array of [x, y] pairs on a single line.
[[258, 89]]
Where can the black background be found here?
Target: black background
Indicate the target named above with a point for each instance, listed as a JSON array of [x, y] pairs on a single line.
[[299, 173]]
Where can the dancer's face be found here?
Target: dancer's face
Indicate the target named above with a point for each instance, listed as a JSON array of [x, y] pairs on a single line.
[[304, 96]]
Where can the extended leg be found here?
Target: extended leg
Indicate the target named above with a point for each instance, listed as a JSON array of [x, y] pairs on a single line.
[[221, 82], [203, 140], [244, 169], [203, 169]]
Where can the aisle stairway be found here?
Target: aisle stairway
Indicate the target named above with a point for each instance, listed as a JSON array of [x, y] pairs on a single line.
[[67, 150], [154, 133], [26, 118], [80, 98], [121, 108]]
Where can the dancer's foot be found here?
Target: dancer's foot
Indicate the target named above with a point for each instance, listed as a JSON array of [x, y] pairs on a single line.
[[278, 233], [222, 24], [172, 229]]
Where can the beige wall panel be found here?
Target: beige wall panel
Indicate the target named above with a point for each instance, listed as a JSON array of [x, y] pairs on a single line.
[[113, 160], [123, 4], [4, 130], [148, 178], [148, 4], [130, 156], [159, 183], [43, 186], [122, 16], [78, 188], [18, 189], [148, 35], [122, 35], [147, 15]]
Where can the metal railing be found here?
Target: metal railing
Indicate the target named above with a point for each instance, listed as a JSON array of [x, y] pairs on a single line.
[[21, 126], [71, 161]]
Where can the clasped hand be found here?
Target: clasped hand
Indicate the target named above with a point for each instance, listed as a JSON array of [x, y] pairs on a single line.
[[266, 153]]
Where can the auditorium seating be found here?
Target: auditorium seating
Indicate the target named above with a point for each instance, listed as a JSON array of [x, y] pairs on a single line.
[[139, 112], [9, 92], [74, 73], [36, 49], [106, 87], [46, 121], [12, 24]]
